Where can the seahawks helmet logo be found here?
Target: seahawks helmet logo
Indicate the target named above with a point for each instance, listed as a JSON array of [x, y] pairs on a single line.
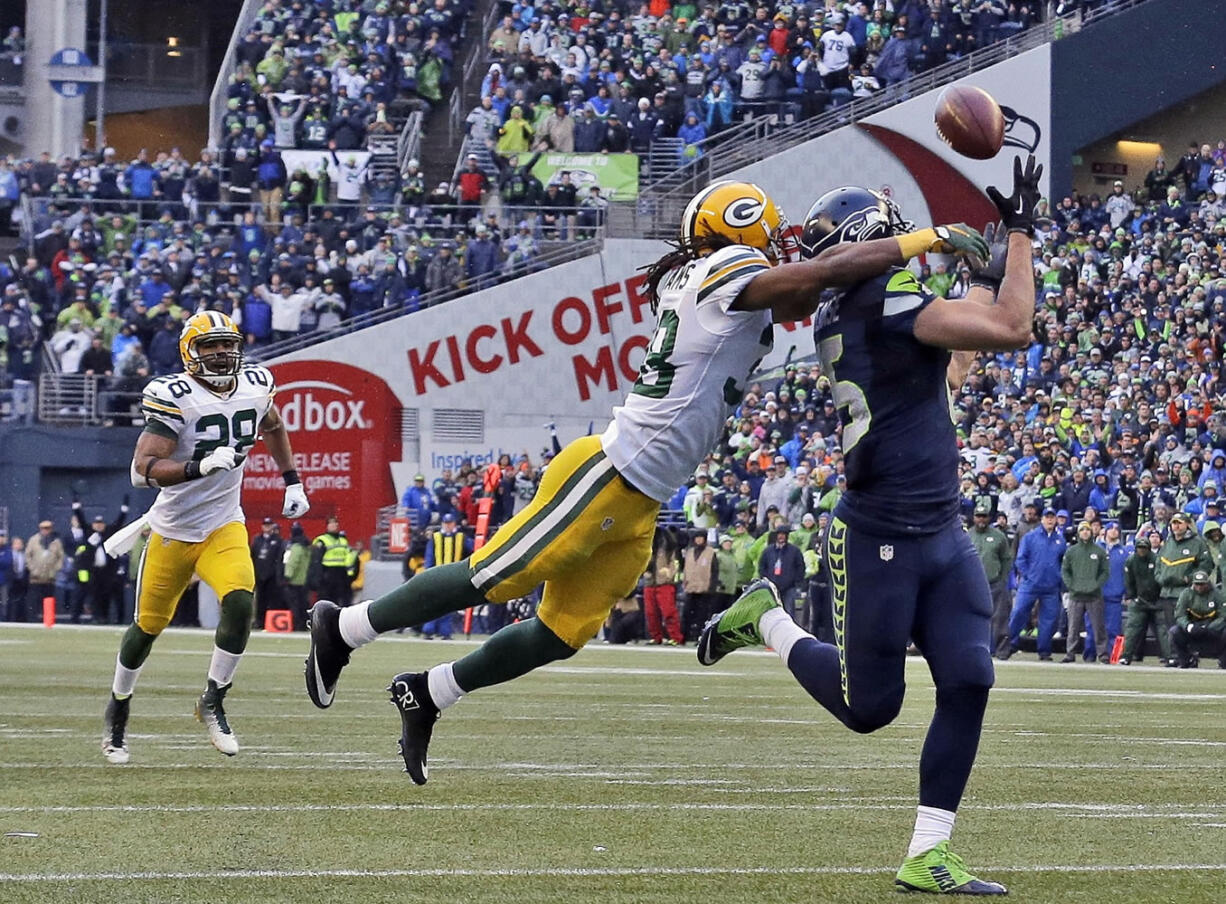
[[743, 212]]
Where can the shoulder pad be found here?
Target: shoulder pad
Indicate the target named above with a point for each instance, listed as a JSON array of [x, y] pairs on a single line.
[[730, 265], [258, 375], [161, 397]]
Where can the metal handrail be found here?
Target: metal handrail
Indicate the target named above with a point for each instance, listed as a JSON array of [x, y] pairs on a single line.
[[455, 114], [408, 146], [569, 251], [217, 100]]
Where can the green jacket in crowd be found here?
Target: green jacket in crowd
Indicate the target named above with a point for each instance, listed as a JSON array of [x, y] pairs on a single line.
[[742, 544], [1084, 568], [727, 572], [297, 564], [994, 550], [754, 553], [1208, 609], [802, 537], [1178, 559], [1140, 578]]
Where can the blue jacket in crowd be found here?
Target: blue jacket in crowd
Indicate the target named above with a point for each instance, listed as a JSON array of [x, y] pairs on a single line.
[[1038, 559], [1117, 555]]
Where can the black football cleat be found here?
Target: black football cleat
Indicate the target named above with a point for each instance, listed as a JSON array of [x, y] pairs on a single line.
[[115, 727], [328, 655], [411, 695]]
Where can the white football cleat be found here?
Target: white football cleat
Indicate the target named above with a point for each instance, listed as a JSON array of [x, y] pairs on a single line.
[[210, 711]]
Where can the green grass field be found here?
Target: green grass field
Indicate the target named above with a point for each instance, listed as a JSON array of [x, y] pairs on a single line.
[[623, 775]]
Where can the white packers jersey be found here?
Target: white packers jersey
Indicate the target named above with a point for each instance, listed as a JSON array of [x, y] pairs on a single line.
[[200, 420], [694, 372]]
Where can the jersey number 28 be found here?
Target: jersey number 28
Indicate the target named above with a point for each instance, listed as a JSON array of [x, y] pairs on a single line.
[[214, 431]]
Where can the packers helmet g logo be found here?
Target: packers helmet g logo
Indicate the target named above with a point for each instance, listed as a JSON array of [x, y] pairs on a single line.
[[743, 212]]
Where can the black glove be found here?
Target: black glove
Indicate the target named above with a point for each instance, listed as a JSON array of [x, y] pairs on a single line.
[[1017, 210], [990, 273]]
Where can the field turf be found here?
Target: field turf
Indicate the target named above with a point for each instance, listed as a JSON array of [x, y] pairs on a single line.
[[622, 775]]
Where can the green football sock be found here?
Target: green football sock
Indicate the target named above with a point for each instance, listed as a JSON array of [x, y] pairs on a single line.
[[234, 626], [135, 646], [425, 596], [515, 650]]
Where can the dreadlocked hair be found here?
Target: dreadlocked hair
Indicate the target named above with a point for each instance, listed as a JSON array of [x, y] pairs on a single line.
[[684, 251]]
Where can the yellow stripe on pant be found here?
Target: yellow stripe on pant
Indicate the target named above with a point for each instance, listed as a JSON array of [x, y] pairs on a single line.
[[222, 560], [836, 557], [586, 535]]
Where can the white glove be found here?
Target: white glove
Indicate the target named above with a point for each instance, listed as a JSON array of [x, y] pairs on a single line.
[[296, 504], [221, 459]]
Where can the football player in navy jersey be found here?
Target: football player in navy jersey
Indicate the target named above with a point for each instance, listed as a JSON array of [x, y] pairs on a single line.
[[901, 565]]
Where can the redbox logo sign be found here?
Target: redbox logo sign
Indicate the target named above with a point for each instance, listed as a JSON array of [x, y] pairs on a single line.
[[306, 411], [344, 423]]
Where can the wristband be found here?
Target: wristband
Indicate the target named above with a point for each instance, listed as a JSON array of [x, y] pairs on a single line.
[[191, 470], [290, 477], [916, 243]]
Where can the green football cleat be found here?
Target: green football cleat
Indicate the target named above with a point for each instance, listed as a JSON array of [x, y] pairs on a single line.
[[942, 872], [737, 626]]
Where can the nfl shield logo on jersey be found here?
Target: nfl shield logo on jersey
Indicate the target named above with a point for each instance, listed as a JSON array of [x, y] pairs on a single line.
[[886, 552]]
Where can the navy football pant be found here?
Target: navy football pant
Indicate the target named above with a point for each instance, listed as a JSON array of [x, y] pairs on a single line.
[[885, 591]]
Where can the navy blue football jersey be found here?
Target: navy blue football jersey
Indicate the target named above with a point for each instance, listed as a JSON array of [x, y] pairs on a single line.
[[899, 443]]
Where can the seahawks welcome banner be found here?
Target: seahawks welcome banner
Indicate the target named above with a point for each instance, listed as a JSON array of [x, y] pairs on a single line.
[[616, 174]]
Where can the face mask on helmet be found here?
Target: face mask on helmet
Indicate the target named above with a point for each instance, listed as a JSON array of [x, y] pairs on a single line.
[[850, 214], [216, 359]]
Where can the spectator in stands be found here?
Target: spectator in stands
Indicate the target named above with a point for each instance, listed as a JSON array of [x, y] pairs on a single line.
[[660, 590], [557, 131], [471, 186], [270, 179], [443, 272], [70, 345], [482, 261], [516, 185], [592, 211], [329, 306], [96, 361], [783, 565], [44, 554], [515, 135]]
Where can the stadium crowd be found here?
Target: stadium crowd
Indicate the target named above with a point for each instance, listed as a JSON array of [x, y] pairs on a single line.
[[610, 77]]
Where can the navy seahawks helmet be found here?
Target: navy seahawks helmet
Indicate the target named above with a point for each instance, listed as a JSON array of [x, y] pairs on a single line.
[[850, 214]]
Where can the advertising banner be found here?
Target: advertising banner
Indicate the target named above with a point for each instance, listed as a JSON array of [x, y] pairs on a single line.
[[616, 174], [344, 425]]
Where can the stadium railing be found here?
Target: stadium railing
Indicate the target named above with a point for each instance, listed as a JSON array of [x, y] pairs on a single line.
[[408, 146], [659, 206], [78, 400]]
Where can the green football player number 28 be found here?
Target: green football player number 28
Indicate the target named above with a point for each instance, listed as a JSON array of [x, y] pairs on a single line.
[[215, 431], [846, 394]]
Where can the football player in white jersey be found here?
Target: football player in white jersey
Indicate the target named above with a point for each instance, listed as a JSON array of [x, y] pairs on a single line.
[[587, 533], [199, 427]]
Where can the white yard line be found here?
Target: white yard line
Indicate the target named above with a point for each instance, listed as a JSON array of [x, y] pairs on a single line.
[[852, 803], [587, 770], [563, 872]]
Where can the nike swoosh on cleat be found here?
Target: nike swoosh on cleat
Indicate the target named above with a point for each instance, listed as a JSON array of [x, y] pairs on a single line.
[[324, 697]]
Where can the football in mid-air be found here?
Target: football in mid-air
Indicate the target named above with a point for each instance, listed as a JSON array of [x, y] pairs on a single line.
[[969, 120]]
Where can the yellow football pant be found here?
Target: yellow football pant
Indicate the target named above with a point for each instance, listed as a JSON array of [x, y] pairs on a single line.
[[222, 560], [586, 535]]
